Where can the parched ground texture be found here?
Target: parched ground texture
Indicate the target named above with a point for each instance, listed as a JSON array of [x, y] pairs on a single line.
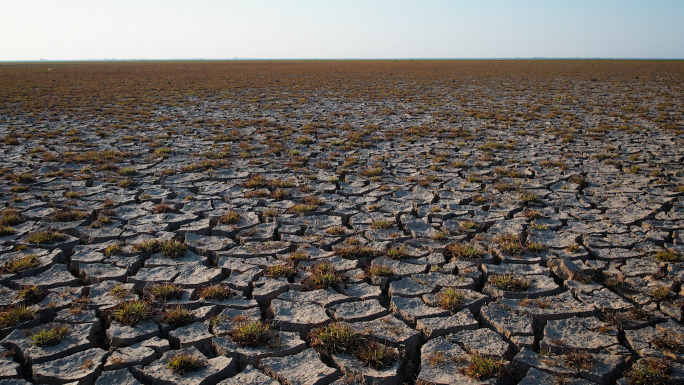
[[340, 222]]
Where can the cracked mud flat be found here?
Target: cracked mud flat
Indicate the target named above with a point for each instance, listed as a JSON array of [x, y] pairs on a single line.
[[525, 216]]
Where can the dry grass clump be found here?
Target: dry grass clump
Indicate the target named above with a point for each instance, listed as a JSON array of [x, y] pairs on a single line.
[[183, 363], [667, 342], [230, 218], [113, 250], [216, 292], [649, 371], [50, 336], [280, 271], [668, 255], [31, 294], [177, 315], [17, 265], [579, 360], [46, 237], [170, 248], [379, 271], [509, 244], [450, 299], [165, 291], [509, 282], [339, 338], [130, 312], [252, 333], [397, 252], [335, 338], [323, 276], [376, 355], [16, 315], [10, 217], [482, 368], [464, 250]]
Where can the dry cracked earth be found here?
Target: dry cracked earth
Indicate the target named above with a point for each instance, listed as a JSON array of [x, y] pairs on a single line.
[[510, 228]]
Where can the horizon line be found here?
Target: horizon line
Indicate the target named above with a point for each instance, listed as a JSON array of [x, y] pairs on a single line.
[[334, 59]]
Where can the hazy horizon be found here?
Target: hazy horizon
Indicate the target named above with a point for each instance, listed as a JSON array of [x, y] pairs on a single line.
[[79, 30]]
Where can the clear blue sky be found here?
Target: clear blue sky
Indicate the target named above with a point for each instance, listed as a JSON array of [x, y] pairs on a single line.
[[213, 29]]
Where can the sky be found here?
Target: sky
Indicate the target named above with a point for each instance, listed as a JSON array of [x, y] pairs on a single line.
[[344, 29]]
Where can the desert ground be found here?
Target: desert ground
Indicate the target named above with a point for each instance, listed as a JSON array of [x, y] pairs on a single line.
[[342, 222]]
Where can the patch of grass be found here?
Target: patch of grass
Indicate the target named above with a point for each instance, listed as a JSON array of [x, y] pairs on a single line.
[[183, 363], [397, 252], [302, 208], [230, 218], [178, 316], [372, 171], [354, 251], [278, 271], [649, 371], [252, 333], [149, 247], [118, 291], [579, 360], [535, 247], [24, 178], [216, 292], [661, 293], [16, 315], [526, 197], [165, 291], [173, 248], [531, 215], [130, 312], [579, 180], [335, 338], [336, 230], [126, 183], [505, 187], [323, 276], [50, 336], [509, 244], [509, 282], [468, 225], [439, 236], [668, 255], [256, 181], [271, 213], [668, 343], [376, 355], [6, 231], [381, 224], [46, 237], [113, 250], [163, 208], [450, 299], [464, 250], [573, 248], [16, 265], [69, 215], [31, 294], [19, 189], [280, 194], [297, 257], [281, 183], [11, 217], [481, 368], [127, 171], [379, 271]]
